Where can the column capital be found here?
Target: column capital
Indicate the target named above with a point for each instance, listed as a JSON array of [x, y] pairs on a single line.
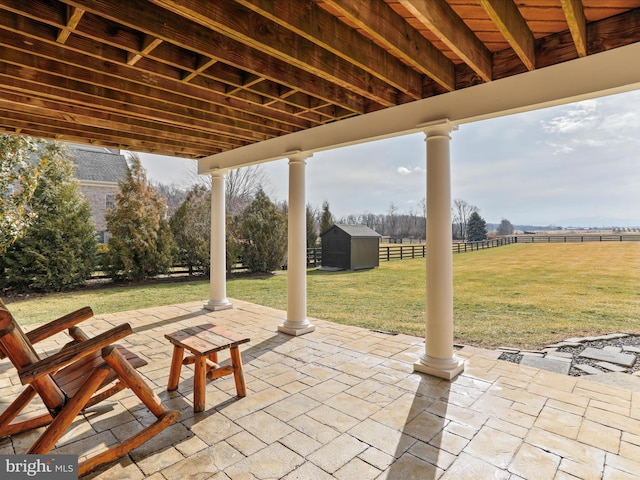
[[436, 128], [218, 172], [298, 156]]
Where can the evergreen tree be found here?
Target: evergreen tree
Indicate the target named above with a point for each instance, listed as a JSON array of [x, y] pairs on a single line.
[[141, 244], [264, 230], [58, 250], [476, 228], [326, 220], [18, 181], [191, 228]]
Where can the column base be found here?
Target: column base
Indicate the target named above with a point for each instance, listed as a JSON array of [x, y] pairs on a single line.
[[217, 305], [296, 328], [447, 369]]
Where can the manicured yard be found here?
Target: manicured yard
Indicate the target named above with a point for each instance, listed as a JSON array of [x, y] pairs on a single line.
[[523, 295]]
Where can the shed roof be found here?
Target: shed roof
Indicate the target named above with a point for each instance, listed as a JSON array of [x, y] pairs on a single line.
[[361, 231], [99, 166]]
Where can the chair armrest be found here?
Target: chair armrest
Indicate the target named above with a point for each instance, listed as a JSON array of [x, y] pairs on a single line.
[[59, 325], [72, 353]]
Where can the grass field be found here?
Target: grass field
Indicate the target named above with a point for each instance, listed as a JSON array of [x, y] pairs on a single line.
[[519, 295]]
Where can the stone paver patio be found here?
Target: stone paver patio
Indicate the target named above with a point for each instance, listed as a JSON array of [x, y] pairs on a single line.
[[343, 402]]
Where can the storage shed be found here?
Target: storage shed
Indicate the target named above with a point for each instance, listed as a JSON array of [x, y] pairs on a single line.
[[350, 247]]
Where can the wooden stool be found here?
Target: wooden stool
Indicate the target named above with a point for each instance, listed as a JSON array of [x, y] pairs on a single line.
[[204, 342]]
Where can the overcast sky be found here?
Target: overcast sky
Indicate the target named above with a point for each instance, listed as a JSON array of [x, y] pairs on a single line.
[[574, 165]]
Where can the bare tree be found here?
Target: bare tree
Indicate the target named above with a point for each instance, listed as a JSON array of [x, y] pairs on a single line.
[[173, 195], [505, 227], [392, 219], [462, 210], [241, 186]]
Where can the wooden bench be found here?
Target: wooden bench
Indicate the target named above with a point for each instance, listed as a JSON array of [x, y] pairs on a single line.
[[204, 342]]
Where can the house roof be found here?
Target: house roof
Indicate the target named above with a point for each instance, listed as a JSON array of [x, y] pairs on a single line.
[[198, 78], [361, 231], [99, 166]]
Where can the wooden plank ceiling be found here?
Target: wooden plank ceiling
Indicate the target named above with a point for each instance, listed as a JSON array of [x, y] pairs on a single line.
[[191, 78]]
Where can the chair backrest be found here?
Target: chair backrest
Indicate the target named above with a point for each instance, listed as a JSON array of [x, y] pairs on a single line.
[[17, 347]]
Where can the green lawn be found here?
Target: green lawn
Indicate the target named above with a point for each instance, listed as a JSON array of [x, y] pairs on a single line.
[[518, 295]]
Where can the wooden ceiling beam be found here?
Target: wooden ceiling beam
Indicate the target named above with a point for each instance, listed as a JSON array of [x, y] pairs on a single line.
[[120, 77], [149, 43], [48, 127], [442, 20], [147, 146], [80, 115], [250, 81], [82, 49], [103, 134], [321, 28], [103, 30], [382, 23], [187, 34], [203, 64], [30, 82], [514, 28], [73, 18], [271, 39], [574, 13]]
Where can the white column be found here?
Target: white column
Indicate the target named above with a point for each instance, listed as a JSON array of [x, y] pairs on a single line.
[[439, 358], [297, 322], [218, 255]]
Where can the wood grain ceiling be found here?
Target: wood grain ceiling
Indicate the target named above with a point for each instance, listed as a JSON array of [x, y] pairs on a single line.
[[191, 78]]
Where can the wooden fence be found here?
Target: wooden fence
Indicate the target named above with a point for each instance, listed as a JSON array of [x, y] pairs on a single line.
[[387, 253], [402, 251], [577, 238]]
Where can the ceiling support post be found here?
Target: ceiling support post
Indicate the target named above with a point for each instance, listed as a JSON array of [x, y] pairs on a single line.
[[439, 358], [218, 256], [297, 322]]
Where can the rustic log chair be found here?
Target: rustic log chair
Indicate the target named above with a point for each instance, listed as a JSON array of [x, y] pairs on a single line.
[[80, 375]]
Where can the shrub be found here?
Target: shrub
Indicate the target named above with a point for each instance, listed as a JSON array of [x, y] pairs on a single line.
[[191, 228], [264, 230], [141, 244], [58, 250]]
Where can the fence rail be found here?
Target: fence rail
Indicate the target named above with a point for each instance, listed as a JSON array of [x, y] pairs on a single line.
[[399, 252], [387, 253], [576, 238]]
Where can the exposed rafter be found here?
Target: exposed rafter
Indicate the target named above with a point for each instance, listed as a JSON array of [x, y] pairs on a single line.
[[381, 23], [319, 27], [149, 43], [193, 78], [442, 20], [265, 35], [73, 18], [574, 11], [509, 21]]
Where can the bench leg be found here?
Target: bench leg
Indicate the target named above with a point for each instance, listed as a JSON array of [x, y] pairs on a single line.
[[238, 374], [176, 366], [199, 383]]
